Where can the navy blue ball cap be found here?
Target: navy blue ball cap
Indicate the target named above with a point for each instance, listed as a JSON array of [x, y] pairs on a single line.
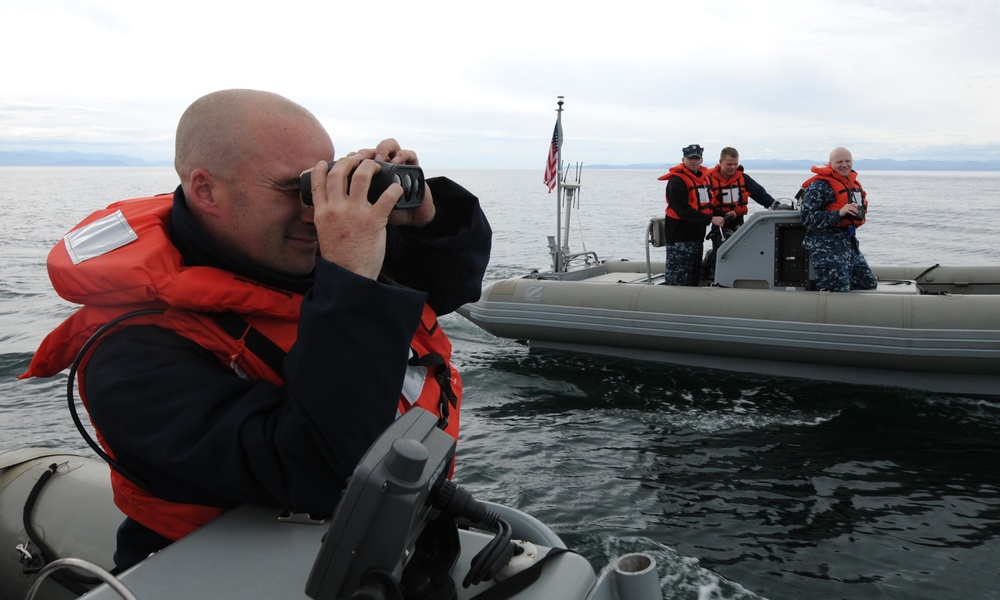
[[693, 151]]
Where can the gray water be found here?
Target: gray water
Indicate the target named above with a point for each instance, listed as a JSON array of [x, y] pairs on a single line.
[[740, 486]]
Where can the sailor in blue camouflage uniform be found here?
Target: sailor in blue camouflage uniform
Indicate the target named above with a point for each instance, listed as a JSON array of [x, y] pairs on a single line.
[[689, 213], [834, 205]]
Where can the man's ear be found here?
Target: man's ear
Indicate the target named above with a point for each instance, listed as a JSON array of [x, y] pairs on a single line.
[[203, 192]]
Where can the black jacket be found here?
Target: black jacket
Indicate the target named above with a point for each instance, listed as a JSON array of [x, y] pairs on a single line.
[[692, 224], [197, 433]]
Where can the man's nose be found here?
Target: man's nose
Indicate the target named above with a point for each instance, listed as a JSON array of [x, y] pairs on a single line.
[[307, 214]]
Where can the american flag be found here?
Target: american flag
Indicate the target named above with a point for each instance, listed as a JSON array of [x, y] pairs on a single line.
[[552, 163]]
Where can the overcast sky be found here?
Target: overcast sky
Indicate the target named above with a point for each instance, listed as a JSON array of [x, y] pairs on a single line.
[[474, 84]]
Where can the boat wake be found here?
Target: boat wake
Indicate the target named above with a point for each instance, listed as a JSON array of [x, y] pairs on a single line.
[[682, 577]]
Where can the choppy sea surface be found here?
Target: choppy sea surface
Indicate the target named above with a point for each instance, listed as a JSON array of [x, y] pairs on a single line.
[[740, 486]]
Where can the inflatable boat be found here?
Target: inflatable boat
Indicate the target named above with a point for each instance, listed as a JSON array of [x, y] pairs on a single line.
[[401, 530], [934, 327]]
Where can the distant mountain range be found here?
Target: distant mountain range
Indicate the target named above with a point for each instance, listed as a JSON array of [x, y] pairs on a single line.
[[871, 164], [39, 158]]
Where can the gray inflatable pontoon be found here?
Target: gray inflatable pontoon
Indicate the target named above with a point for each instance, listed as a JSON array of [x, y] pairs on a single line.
[[933, 328], [393, 536]]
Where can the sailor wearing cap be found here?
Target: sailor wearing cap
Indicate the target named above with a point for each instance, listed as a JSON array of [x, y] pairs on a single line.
[[689, 213]]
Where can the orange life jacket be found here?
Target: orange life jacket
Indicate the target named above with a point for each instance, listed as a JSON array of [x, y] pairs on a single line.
[[844, 190], [699, 196], [729, 194], [150, 275]]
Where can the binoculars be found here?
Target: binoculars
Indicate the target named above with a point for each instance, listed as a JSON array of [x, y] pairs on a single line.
[[409, 177]]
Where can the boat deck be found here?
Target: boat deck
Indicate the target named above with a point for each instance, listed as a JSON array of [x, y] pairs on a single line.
[[893, 286], [623, 278]]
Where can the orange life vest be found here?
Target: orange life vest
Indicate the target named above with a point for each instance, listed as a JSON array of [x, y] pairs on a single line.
[[845, 190], [699, 197], [150, 275], [729, 194]]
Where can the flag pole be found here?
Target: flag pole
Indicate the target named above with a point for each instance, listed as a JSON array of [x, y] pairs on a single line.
[[559, 190]]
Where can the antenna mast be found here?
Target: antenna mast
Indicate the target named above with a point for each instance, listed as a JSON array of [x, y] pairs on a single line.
[[558, 250]]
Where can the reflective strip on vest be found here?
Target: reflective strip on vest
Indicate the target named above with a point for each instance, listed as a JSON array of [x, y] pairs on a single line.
[[98, 238], [413, 383]]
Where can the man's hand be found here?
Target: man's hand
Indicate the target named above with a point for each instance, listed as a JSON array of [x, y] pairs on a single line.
[[351, 231], [849, 209], [388, 150]]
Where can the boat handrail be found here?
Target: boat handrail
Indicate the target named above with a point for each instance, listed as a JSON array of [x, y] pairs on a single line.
[[656, 236], [562, 261], [589, 257]]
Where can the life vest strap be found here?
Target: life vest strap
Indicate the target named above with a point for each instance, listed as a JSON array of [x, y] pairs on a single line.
[[443, 376], [258, 343]]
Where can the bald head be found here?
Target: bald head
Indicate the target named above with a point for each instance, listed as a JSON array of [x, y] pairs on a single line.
[[838, 153], [841, 161], [225, 130]]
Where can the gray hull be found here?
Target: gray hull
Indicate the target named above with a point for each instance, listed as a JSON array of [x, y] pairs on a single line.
[[934, 328], [248, 553]]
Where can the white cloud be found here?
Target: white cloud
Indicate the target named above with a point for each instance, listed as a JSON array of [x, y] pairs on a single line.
[[474, 84]]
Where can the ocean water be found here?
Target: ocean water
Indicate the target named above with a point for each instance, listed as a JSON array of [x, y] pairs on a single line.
[[740, 486]]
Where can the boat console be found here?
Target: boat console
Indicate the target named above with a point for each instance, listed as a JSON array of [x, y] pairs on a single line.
[[765, 253], [385, 509]]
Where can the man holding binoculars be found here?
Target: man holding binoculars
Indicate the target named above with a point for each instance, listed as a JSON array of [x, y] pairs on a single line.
[[239, 345], [834, 205]]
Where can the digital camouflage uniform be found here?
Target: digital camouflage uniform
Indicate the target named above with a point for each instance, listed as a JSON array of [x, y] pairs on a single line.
[[683, 263], [689, 212], [833, 251]]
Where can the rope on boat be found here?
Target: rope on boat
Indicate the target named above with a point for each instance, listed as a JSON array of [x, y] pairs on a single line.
[[73, 582], [82, 565]]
